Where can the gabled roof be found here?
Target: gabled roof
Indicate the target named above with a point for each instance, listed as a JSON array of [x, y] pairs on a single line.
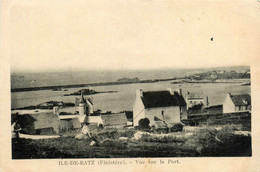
[[160, 124], [241, 100], [82, 99], [90, 100], [75, 123], [114, 119], [155, 99], [81, 118], [45, 120]]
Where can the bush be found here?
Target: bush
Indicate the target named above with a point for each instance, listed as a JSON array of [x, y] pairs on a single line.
[[114, 144], [128, 133], [226, 133], [160, 130], [144, 123], [101, 126], [162, 139], [177, 127]]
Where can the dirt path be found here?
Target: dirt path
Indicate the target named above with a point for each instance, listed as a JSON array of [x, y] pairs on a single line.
[[36, 137]]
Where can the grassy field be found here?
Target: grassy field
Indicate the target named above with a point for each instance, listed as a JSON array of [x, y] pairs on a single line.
[[241, 120], [208, 142]]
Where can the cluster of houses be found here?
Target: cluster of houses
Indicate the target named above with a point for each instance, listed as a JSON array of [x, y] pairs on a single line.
[[160, 107], [171, 106]]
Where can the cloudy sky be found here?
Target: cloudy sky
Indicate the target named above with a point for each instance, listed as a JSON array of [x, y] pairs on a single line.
[[130, 34]]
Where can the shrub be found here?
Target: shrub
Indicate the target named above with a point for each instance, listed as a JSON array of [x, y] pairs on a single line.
[[114, 144], [226, 133], [144, 123], [160, 130], [162, 139], [177, 127], [128, 133], [101, 126]]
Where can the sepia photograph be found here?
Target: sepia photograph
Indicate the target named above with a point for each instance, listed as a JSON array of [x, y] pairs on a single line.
[[130, 83], [116, 114]]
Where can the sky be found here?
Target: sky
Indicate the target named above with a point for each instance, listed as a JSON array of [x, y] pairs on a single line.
[[131, 34]]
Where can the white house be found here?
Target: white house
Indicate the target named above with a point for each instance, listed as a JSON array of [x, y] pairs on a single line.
[[111, 120], [237, 103], [168, 106], [194, 99]]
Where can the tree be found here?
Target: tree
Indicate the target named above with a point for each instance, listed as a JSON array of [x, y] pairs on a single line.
[[144, 123]]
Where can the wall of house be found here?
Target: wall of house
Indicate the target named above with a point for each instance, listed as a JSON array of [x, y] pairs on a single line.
[[228, 105], [82, 109], [138, 111], [242, 108], [114, 119], [89, 107], [170, 114], [184, 114], [95, 119]]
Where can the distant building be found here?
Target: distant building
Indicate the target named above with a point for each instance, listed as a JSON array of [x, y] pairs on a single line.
[[84, 106], [194, 99], [95, 120], [237, 103], [76, 121], [72, 121], [114, 120], [168, 106], [70, 124], [40, 123]]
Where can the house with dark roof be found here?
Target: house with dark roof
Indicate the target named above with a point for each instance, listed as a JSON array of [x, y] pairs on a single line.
[[168, 106], [237, 103]]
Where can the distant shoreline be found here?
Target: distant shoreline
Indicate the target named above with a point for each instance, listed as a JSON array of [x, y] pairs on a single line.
[[205, 77], [85, 85], [116, 83]]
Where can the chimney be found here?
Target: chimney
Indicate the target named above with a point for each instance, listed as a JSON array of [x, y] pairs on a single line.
[[139, 93]]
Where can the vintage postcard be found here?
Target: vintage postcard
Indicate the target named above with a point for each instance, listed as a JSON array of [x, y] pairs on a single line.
[[143, 85]]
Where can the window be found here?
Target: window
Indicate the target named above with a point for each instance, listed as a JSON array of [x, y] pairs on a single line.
[[163, 114]]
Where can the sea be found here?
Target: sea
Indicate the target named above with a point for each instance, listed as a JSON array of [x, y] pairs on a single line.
[[124, 96]]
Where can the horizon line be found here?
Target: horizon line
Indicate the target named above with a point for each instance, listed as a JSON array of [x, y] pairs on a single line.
[[120, 69]]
